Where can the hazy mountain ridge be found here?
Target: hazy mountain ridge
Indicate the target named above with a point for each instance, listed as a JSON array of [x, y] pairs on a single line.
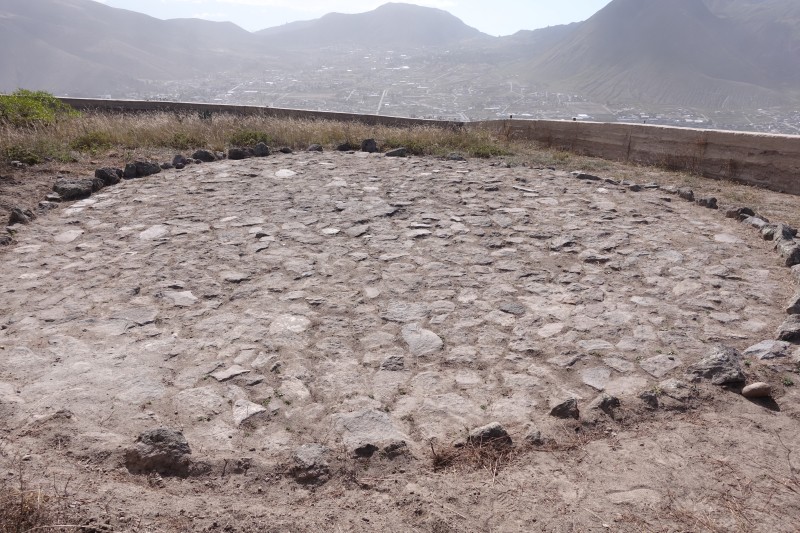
[[697, 53]]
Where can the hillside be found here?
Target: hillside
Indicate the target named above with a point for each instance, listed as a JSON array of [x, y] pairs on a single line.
[[702, 54], [676, 52], [81, 46], [391, 25]]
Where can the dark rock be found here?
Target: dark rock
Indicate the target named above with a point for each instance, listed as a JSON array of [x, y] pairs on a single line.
[[789, 252], [685, 193], [393, 363], [130, 171], [47, 206], [162, 451], [722, 367], [650, 399], [146, 168], [345, 147], [635, 188], [534, 437], [369, 146], [793, 307], [606, 404], [110, 176], [708, 202], [286, 150], [167, 166], [778, 232], [315, 148], [237, 154], [206, 156], [97, 184], [455, 156], [584, 176], [739, 213], [310, 466], [5, 240], [19, 216], [491, 434], [399, 152], [180, 166], [790, 330], [261, 150], [179, 160], [73, 188], [566, 409]]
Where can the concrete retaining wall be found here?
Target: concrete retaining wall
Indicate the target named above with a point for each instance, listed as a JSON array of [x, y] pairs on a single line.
[[770, 161], [135, 106]]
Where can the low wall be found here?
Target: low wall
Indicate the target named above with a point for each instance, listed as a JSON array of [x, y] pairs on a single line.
[[135, 106], [763, 160]]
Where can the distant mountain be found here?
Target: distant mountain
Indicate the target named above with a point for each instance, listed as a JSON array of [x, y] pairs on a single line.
[[84, 47], [404, 26], [703, 54], [675, 52]]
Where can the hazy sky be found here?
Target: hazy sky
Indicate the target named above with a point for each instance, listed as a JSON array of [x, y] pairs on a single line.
[[495, 17]]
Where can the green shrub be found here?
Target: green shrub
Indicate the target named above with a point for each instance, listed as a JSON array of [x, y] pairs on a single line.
[[249, 138], [184, 141], [92, 141], [22, 154], [29, 108]]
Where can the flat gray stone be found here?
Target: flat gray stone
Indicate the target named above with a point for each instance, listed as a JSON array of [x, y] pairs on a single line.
[[181, 299], [229, 373], [404, 312], [289, 324], [769, 349], [660, 365], [68, 236], [597, 377], [369, 431], [154, 232], [421, 341], [244, 410]]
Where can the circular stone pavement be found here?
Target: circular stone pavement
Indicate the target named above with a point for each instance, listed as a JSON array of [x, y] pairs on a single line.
[[359, 299]]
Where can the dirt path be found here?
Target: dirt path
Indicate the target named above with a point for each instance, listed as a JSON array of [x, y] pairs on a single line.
[[381, 308]]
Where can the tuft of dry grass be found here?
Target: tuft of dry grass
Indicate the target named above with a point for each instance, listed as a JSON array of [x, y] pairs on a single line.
[[25, 508]]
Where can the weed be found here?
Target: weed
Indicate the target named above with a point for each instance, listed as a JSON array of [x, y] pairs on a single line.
[[788, 382], [249, 138], [92, 141], [24, 108]]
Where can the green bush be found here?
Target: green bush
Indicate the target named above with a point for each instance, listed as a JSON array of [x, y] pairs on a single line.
[[249, 138], [184, 141], [92, 141], [29, 108], [22, 154]]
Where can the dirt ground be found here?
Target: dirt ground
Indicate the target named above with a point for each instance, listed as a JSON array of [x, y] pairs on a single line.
[[376, 310]]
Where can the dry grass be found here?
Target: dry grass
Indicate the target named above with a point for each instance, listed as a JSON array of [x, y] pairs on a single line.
[[26, 508], [94, 132]]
